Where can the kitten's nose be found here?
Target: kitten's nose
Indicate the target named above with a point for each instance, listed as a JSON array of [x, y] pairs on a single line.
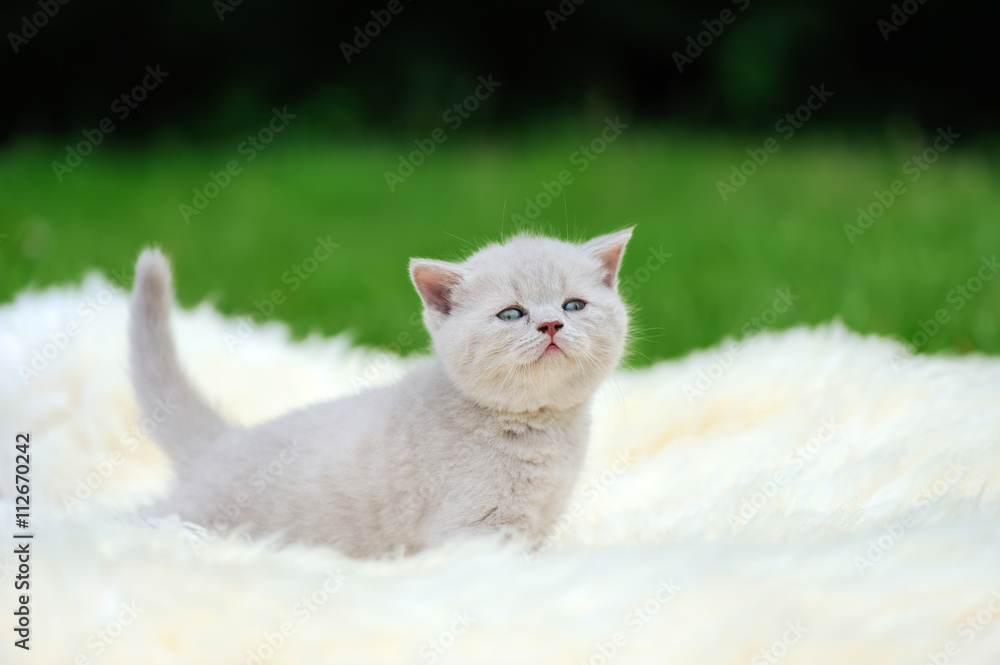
[[550, 327]]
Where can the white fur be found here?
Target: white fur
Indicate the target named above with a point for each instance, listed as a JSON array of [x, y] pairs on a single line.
[[660, 514], [488, 437]]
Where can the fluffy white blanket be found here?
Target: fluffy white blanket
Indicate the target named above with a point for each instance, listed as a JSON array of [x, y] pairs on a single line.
[[812, 496]]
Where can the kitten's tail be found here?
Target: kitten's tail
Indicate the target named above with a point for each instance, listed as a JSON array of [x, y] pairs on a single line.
[[184, 422]]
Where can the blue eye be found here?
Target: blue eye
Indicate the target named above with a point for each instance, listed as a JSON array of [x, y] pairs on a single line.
[[574, 305], [510, 314]]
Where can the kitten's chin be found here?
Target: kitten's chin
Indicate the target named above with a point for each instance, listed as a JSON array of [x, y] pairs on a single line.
[[528, 403], [552, 380]]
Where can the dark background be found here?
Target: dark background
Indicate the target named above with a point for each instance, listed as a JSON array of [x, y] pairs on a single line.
[[938, 66]]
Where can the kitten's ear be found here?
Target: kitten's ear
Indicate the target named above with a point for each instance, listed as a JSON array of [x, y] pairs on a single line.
[[435, 280], [609, 250]]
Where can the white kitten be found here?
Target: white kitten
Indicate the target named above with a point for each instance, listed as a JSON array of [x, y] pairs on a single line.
[[487, 437]]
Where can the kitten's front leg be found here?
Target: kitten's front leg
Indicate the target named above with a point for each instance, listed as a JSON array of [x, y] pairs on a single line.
[[510, 524]]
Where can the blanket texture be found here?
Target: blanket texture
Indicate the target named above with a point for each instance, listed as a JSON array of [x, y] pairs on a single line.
[[809, 496]]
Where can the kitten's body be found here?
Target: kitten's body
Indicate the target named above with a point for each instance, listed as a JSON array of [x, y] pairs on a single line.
[[487, 437]]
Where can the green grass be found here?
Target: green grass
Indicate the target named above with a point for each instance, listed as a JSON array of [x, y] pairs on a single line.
[[783, 229]]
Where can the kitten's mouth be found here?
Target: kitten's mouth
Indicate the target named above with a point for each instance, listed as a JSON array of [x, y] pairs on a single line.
[[552, 349]]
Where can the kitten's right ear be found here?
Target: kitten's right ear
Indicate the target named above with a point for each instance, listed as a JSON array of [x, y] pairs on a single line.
[[435, 281], [609, 249]]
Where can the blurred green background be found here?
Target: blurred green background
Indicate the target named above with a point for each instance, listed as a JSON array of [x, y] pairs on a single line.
[[791, 225]]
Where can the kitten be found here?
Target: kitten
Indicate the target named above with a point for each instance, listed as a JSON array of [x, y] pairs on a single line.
[[488, 436]]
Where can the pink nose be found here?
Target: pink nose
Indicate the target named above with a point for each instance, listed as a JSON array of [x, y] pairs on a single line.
[[550, 327]]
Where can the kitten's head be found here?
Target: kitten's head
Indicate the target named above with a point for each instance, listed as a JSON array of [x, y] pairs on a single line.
[[535, 322]]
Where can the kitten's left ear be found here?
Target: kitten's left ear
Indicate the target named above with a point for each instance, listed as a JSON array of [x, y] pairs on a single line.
[[609, 249], [435, 281]]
